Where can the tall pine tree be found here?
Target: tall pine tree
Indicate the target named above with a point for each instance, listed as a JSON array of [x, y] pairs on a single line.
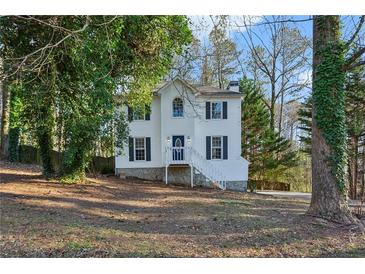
[[261, 146], [305, 125]]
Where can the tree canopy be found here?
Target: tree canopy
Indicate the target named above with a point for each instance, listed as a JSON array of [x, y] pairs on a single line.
[[75, 70]]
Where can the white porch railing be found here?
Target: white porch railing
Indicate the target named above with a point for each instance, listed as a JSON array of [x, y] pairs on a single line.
[[178, 155], [188, 155]]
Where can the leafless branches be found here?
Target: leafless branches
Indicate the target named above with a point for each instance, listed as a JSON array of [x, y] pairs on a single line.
[[353, 61], [280, 55], [42, 54], [355, 34]]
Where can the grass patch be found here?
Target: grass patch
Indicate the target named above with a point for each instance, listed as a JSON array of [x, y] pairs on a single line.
[[234, 202], [76, 245]]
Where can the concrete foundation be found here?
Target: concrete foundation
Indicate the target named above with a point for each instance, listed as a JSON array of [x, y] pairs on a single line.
[[179, 175]]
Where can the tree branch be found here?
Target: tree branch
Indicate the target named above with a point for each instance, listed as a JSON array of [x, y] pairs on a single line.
[[349, 63], [357, 64], [47, 46], [358, 28]]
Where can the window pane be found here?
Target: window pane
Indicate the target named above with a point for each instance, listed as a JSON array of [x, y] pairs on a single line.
[[139, 148], [216, 153], [140, 143], [138, 114], [177, 107], [140, 154], [216, 110], [216, 147], [216, 142]]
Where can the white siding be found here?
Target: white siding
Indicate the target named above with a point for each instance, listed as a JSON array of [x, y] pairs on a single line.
[[193, 125], [149, 128], [175, 126]]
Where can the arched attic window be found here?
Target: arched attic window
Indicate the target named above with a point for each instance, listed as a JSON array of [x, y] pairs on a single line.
[[177, 107]]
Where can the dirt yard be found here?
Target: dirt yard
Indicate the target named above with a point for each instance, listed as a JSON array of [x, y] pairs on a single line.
[[109, 217]]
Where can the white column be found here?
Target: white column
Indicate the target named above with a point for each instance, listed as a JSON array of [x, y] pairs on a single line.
[[166, 167], [192, 175]]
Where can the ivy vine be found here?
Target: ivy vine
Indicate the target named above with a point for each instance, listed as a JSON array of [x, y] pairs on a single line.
[[329, 99]]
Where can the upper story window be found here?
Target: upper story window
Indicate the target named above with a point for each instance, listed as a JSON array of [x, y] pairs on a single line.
[[177, 107], [217, 110], [138, 114]]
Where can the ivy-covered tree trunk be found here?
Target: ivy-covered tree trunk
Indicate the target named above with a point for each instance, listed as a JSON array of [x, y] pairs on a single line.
[[45, 146], [329, 193], [44, 134]]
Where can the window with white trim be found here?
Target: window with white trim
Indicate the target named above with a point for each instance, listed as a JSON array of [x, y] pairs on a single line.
[[140, 148], [217, 110], [138, 114], [217, 147], [177, 108]]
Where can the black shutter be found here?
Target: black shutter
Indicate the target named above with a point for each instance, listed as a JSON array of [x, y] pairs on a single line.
[[207, 110], [224, 110], [131, 149], [130, 114], [225, 147], [147, 115], [208, 146], [148, 148]]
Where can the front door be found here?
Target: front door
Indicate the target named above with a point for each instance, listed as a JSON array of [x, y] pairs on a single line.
[[178, 144]]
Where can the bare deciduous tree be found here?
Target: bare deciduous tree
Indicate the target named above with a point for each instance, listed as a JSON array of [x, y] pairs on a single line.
[[277, 60]]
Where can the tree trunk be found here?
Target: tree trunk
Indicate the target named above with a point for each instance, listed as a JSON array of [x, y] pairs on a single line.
[[362, 196], [328, 200], [272, 106], [5, 120], [281, 112], [44, 136], [354, 167]]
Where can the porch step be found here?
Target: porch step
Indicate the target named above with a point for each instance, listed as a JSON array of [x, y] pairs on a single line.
[[179, 165]]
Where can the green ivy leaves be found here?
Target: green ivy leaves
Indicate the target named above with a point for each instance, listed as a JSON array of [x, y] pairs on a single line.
[[329, 101]]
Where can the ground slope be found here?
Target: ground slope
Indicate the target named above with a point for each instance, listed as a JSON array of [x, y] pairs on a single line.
[[109, 217]]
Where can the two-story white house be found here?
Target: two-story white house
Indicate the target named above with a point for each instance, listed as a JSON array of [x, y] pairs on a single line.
[[190, 135]]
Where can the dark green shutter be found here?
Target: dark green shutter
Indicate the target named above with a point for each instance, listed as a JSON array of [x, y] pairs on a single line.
[[208, 147], [225, 147], [224, 110], [131, 149], [147, 115], [207, 110], [148, 148]]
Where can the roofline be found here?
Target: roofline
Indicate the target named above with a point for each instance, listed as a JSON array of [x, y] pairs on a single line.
[[238, 95], [196, 92], [158, 91]]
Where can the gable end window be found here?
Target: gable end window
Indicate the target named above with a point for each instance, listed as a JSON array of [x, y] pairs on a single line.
[[177, 108]]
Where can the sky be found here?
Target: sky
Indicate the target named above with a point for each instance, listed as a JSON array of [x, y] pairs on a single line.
[[202, 25]]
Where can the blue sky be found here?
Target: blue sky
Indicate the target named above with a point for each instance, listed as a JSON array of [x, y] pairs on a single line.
[[236, 30], [205, 24]]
